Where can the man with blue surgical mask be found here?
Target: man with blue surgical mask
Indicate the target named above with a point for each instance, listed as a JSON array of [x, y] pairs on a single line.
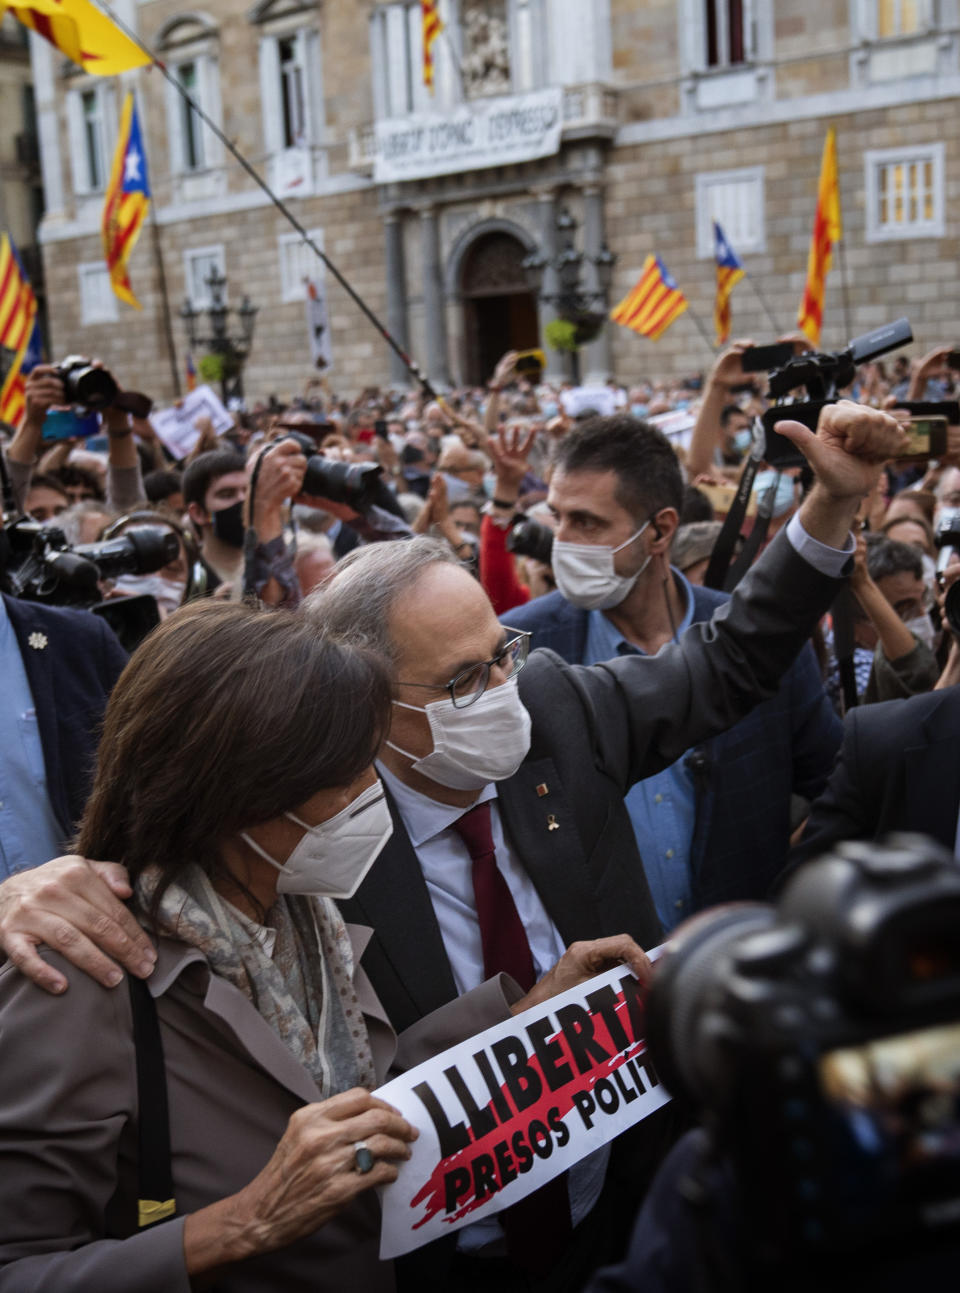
[[715, 826]]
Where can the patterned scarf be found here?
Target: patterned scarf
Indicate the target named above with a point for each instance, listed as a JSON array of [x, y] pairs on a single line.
[[304, 991]]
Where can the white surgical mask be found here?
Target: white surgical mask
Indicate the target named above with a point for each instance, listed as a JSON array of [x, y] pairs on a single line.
[[922, 627], [332, 859], [486, 741], [167, 592], [743, 440], [585, 575]]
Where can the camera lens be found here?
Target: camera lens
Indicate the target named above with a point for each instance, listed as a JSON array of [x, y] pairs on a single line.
[[93, 388], [531, 539], [353, 483]]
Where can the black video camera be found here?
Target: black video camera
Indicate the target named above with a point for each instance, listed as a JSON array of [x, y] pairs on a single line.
[[819, 1040], [821, 375], [531, 539]]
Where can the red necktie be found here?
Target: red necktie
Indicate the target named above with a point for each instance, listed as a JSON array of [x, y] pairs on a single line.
[[539, 1224]]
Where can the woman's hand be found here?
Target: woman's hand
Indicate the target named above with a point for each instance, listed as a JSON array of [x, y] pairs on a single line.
[[582, 961], [510, 451], [311, 1176]]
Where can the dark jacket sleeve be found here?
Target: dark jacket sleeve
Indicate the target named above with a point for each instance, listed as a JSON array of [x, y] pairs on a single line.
[[817, 731], [62, 1116], [848, 807], [644, 712]]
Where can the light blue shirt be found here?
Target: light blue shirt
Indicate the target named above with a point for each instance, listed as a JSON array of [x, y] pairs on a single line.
[[29, 833], [663, 807]]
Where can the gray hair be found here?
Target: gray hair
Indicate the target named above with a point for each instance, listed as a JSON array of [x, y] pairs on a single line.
[[355, 605]]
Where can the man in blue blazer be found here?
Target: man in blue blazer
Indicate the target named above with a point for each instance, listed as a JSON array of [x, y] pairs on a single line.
[[58, 668], [715, 826]]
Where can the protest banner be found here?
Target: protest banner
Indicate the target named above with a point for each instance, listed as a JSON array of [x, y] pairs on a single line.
[[504, 1112], [589, 399], [175, 426]]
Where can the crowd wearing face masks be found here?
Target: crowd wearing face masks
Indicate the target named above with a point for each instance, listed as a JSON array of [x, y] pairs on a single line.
[[356, 774]]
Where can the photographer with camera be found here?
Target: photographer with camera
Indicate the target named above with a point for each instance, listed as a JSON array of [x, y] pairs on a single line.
[[46, 391]]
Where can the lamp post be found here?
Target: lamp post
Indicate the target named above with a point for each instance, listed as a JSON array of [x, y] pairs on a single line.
[[584, 307], [232, 350]]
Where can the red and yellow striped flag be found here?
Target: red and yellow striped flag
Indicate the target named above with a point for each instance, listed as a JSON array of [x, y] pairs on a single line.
[[827, 230], [653, 304], [18, 309], [80, 31], [432, 27], [126, 202], [729, 273]]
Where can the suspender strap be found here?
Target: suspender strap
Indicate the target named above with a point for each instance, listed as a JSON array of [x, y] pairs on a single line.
[[155, 1173]]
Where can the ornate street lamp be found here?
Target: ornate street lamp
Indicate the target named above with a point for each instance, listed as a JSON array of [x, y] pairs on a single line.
[[232, 351], [585, 309]]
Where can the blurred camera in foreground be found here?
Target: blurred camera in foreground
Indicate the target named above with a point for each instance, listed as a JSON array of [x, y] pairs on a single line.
[[818, 1041]]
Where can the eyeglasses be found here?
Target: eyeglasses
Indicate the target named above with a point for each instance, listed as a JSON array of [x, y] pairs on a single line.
[[470, 684]]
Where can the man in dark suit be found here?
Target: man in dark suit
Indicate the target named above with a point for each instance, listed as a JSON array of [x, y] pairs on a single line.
[[522, 786], [898, 770], [58, 668], [714, 826]]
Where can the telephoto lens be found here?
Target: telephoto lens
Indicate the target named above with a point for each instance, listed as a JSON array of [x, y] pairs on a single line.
[[91, 387], [355, 483]]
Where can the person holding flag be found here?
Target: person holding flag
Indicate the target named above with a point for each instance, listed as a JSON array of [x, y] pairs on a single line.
[[827, 230], [127, 200], [729, 273]]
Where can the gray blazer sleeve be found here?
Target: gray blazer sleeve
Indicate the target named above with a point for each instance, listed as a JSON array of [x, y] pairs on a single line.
[[63, 1109], [644, 712]]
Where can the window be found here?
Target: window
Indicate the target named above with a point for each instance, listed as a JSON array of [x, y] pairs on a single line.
[[97, 301], [290, 90], [736, 200], [726, 34], [91, 120], [396, 39], [905, 193], [298, 263], [197, 264], [191, 138], [900, 17], [292, 76]]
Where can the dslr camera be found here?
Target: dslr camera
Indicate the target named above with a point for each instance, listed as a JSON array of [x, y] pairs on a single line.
[[531, 539], [94, 389], [819, 1043]]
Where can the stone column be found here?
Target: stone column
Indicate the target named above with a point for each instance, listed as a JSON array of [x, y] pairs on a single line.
[[434, 363], [396, 294], [557, 370], [596, 358]]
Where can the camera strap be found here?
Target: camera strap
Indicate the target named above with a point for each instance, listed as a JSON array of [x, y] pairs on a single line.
[[723, 549], [755, 540]]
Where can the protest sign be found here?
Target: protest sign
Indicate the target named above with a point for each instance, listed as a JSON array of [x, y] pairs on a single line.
[[677, 426], [593, 399], [504, 1112], [175, 426]]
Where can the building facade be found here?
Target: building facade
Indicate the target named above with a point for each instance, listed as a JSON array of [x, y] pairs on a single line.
[[642, 119]]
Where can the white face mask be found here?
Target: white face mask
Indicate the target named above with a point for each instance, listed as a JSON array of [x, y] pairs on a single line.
[[585, 575], [167, 592], [922, 628], [485, 742], [332, 859]]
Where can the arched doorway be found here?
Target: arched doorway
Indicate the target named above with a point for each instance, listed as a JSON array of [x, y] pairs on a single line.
[[500, 311]]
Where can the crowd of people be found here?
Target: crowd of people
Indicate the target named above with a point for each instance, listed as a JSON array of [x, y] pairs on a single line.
[[432, 716]]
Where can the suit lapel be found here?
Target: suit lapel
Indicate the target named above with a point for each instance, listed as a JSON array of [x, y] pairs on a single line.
[[38, 666], [543, 831], [932, 780], [394, 901]]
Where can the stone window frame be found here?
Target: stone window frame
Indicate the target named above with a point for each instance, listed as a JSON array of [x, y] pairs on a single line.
[[708, 89], [213, 251], [192, 38], [278, 21], [99, 305], [288, 247], [396, 47], [79, 155], [874, 161], [933, 49], [752, 180]]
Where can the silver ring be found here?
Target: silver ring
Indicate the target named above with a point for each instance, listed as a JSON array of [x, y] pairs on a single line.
[[362, 1158]]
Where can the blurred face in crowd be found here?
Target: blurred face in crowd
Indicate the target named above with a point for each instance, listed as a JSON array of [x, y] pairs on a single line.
[[903, 506], [910, 531], [466, 517], [949, 491], [224, 492], [44, 503], [905, 593]]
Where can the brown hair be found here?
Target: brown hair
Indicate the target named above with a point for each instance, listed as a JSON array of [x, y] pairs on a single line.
[[225, 717]]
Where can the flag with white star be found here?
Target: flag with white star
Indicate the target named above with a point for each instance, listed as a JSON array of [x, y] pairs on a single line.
[[729, 273], [127, 200]]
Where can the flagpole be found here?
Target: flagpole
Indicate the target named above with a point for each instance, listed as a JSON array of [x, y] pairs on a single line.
[[701, 329], [409, 363], [165, 301], [845, 290], [777, 330]]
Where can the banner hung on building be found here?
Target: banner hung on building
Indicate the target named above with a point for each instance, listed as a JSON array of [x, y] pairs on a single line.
[[504, 1112], [486, 132]]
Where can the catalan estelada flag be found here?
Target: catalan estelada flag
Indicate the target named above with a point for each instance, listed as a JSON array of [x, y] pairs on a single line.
[[432, 27], [127, 200], [827, 230], [729, 273], [18, 311], [80, 31], [653, 304], [191, 373]]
